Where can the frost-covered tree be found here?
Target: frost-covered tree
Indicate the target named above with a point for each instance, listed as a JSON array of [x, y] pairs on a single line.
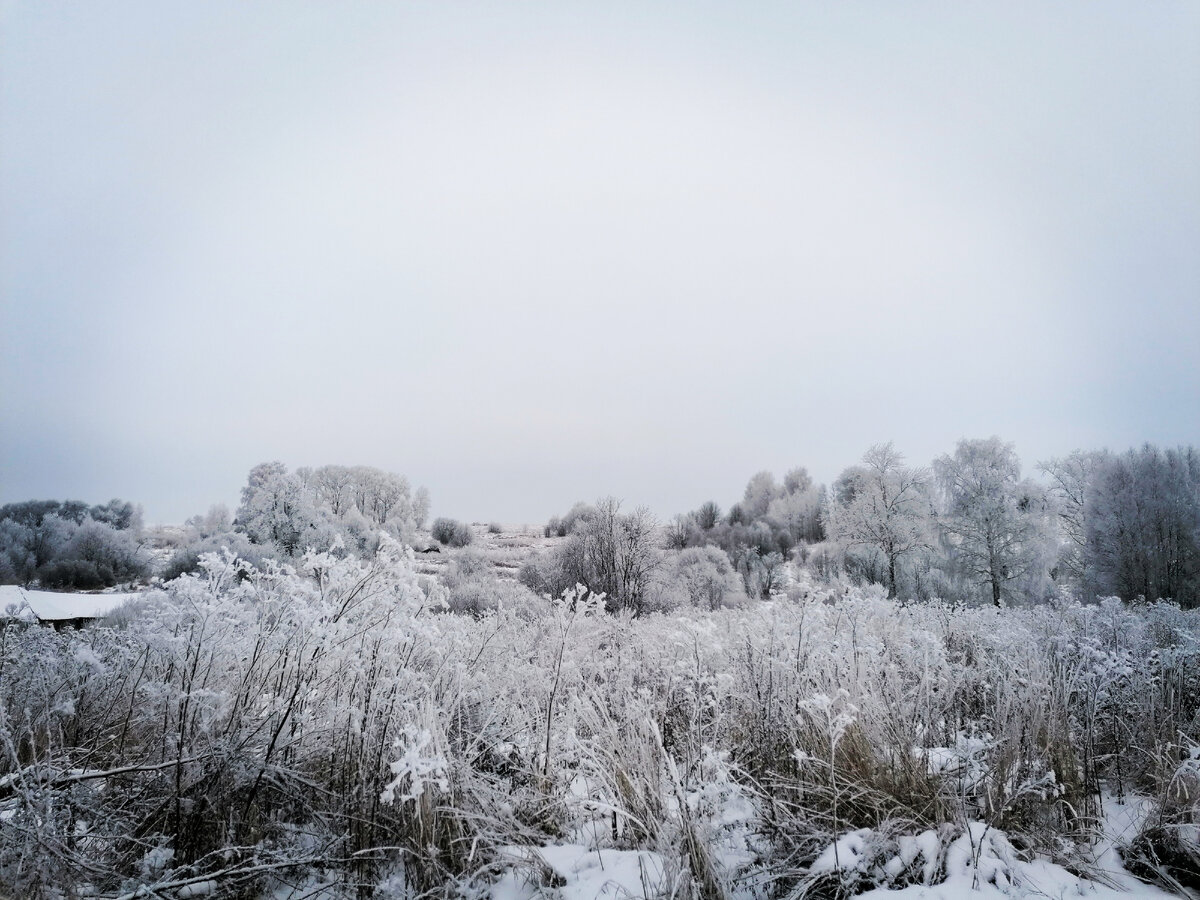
[[17, 562], [797, 480], [382, 495], [104, 545], [94, 555], [1143, 525], [216, 521], [798, 509], [310, 507], [610, 552], [70, 544], [708, 516], [275, 509], [760, 491], [621, 551], [120, 514], [887, 508], [421, 507], [332, 486], [996, 524], [1070, 477], [761, 570], [847, 483], [682, 531]]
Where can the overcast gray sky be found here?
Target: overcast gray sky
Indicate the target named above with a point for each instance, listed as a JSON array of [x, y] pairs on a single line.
[[531, 253]]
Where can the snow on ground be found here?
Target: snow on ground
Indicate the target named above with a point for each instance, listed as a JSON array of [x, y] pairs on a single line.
[[50, 606], [1035, 879], [589, 874], [508, 550], [585, 873], [1040, 877], [980, 864]]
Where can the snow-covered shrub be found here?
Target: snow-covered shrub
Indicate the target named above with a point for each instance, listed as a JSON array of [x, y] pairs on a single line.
[[451, 532], [965, 858], [474, 588], [468, 564], [700, 577], [612, 553], [76, 575], [186, 559]]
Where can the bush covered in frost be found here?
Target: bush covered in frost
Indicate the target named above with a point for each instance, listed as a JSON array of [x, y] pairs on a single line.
[[451, 532]]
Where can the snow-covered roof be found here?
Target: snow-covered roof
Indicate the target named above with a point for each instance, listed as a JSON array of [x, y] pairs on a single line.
[[49, 606]]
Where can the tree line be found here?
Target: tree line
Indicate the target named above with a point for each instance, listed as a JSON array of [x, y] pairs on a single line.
[[70, 544], [970, 527]]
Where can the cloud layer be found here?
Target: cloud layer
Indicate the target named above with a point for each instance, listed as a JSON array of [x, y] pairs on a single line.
[[536, 254]]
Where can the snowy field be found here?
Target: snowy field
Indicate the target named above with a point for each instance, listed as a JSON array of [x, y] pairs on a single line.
[[53, 606], [329, 728]]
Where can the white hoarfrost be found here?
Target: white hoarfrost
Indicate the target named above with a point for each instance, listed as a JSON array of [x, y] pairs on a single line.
[[416, 768], [329, 725]]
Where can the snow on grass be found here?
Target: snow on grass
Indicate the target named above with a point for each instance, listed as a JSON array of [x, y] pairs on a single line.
[[977, 862], [844, 853], [558, 730]]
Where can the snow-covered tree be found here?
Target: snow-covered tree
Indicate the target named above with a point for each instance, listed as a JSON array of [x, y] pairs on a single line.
[[275, 509], [799, 511], [610, 552], [107, 547], [421, 507], [1070, 477], [797, 480], [216, 521], [332, 486], [1143, 524], [996, 524], [884, 505], [384, 494], [17, 562], [760, 491], [708, 516]]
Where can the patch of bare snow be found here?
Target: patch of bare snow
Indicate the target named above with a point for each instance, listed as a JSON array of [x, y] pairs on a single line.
[[585, 873], [50, 606]]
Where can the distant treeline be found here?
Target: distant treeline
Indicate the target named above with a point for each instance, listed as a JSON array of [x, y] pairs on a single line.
[[969, 528], [70, 544]]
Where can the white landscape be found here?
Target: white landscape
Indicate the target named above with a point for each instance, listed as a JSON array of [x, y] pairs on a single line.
[[599, 450], [260, 718]]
